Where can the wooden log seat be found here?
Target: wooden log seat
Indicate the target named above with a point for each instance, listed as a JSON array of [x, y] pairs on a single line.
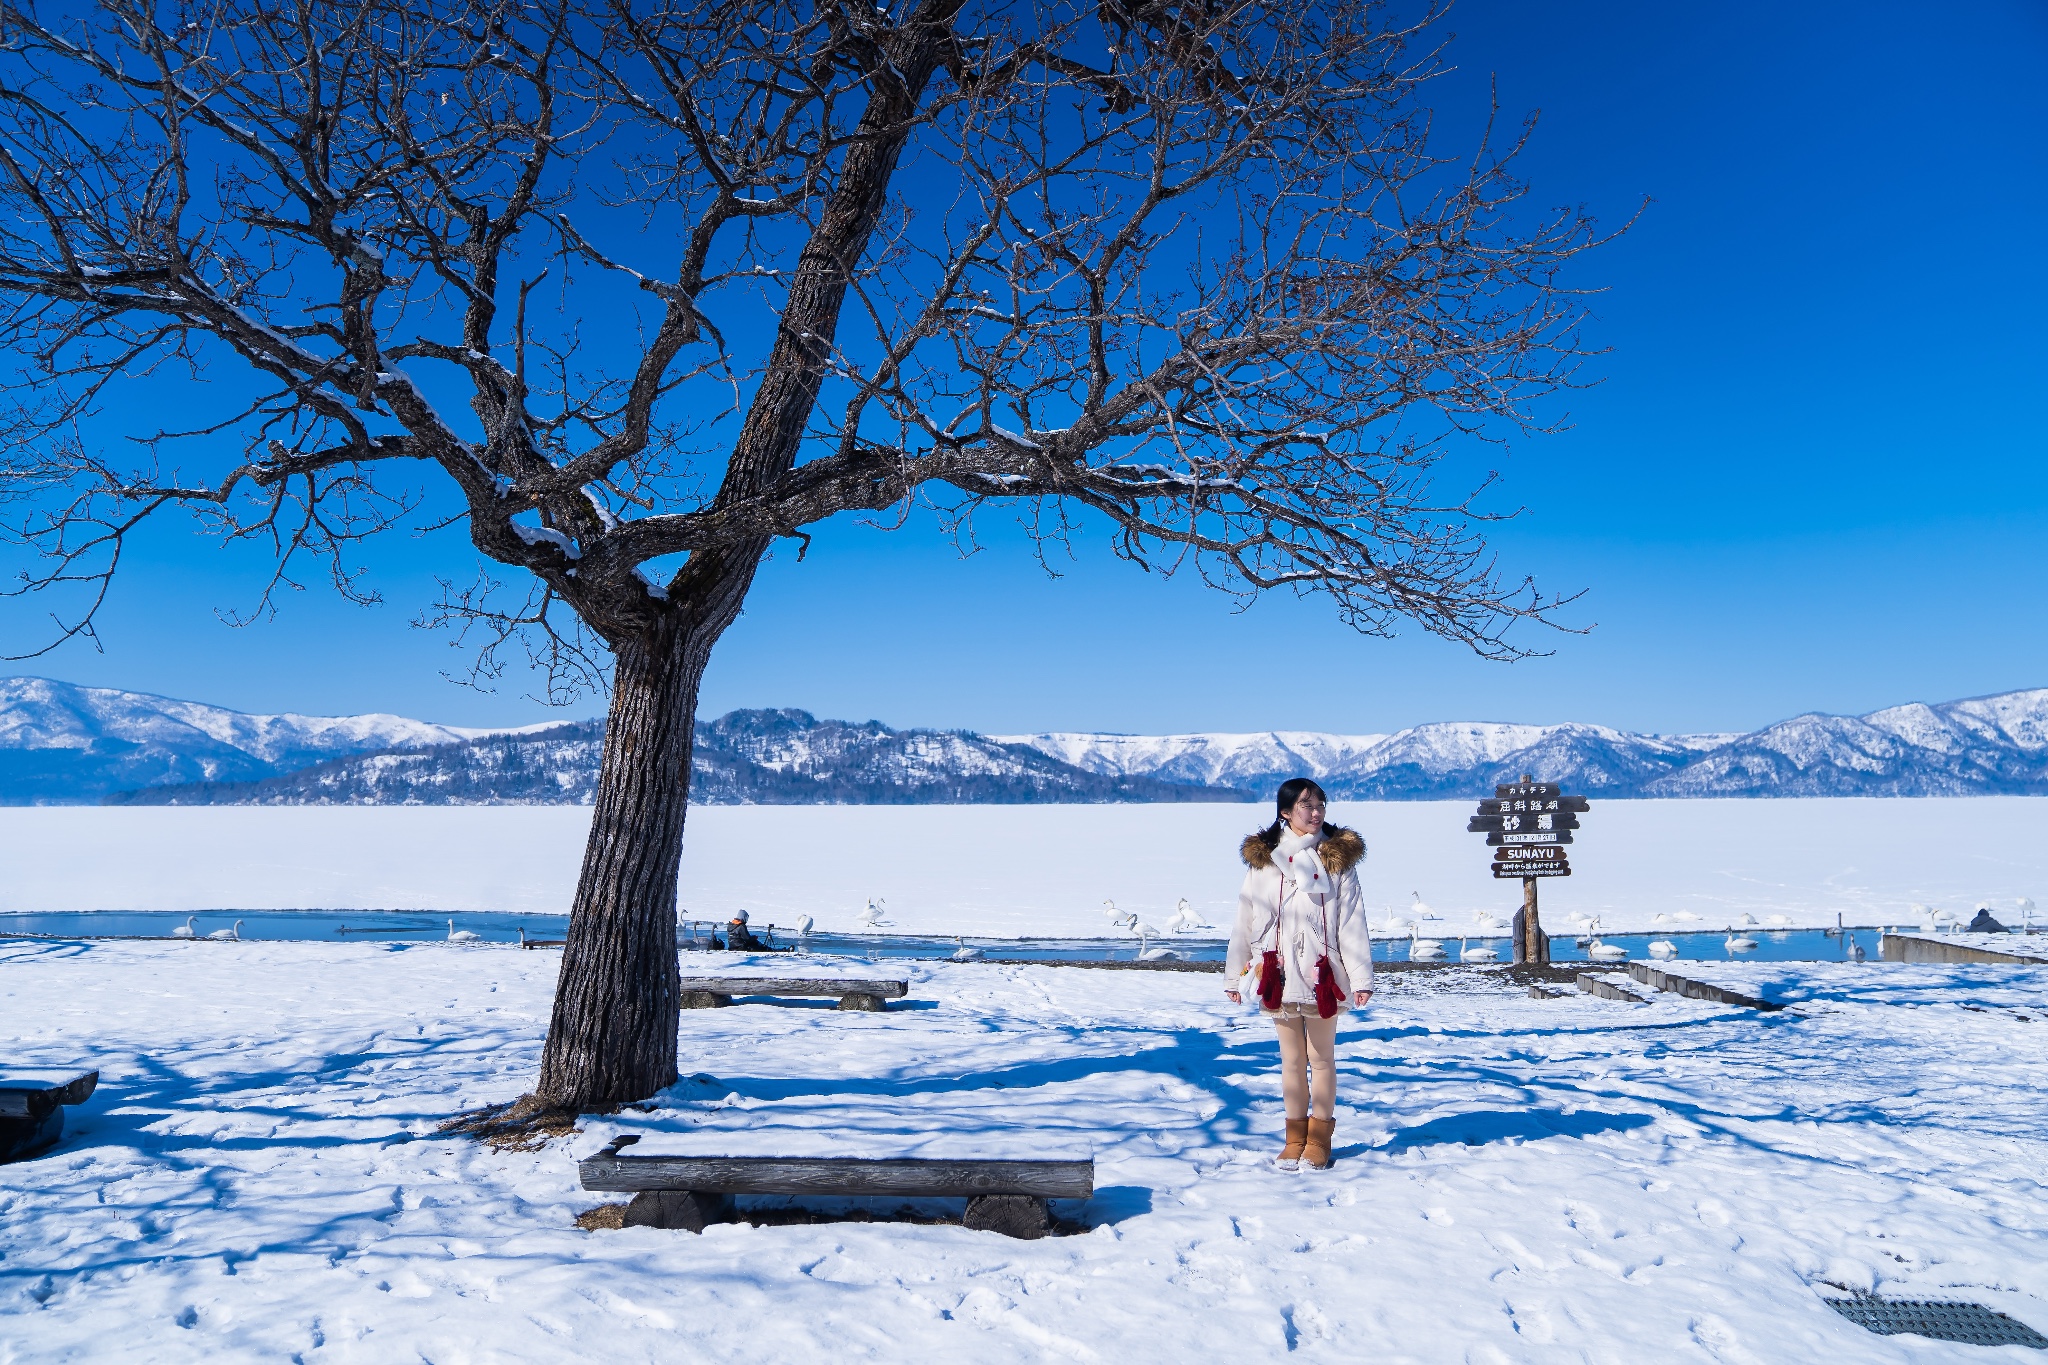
[[688, 1192], [855, 993], [32, 1104]]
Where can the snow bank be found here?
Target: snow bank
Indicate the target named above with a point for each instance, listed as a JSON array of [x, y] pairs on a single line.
[[1038, 870], [257, 1177]]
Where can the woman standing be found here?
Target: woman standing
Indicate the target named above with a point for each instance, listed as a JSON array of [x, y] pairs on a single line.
[[1301, 933]]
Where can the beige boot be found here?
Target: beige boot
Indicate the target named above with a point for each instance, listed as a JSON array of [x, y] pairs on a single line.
[[1317, 1148], [1290, 1155]]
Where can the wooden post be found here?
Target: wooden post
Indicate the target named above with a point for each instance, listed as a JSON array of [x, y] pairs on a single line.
[[1535, 944]]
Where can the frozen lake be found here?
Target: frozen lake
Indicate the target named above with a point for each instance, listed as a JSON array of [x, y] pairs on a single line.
[[1039, 871]]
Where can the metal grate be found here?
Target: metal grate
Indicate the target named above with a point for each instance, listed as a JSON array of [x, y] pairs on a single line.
[[1966, 1322]]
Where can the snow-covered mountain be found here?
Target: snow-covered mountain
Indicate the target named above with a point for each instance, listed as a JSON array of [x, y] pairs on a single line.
[[1248, 761], [60, 742], [1984, 746], [743, 758], [1961, 748], [1425, 761], [64, 743]]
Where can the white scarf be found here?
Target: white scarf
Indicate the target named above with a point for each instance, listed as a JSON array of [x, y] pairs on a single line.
[[1299, 863]]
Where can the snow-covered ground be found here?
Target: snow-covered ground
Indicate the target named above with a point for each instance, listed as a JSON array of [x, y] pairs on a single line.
[[1041, 870], [258, 1179]]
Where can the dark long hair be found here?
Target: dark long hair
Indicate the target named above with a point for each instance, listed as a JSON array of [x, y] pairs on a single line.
[[1290, 792]]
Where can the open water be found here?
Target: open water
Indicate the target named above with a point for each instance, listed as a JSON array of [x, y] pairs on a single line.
[[1784, 945]]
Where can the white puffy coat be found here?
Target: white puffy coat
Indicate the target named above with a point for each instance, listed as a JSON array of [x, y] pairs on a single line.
[[1295, 923]]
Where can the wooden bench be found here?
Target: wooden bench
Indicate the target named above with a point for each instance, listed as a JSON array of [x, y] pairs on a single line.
[[688, 1192], [706, 992], [32, 1104]]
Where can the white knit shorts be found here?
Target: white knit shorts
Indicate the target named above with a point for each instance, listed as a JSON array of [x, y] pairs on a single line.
[[1293, 1010]]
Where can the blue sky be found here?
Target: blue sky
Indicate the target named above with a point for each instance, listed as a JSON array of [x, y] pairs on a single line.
[[1815, 477]]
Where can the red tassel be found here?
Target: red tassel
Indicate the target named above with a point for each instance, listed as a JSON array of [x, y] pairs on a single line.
[[1326, 988], [1272, 979]]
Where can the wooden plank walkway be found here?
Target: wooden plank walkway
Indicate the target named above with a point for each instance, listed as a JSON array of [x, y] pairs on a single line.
[[2024, 949], [1695, 989]]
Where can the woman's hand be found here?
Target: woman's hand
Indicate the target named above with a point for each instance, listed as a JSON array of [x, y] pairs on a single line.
[[1233, 997], [1362, 998]]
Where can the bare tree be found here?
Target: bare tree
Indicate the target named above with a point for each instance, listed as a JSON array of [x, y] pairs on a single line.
[[657, 282]]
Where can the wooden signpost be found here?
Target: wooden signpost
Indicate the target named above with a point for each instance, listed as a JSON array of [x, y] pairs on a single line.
[[1527, 826]]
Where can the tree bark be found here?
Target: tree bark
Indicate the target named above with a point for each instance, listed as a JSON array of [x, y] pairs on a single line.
[[613, 1034]]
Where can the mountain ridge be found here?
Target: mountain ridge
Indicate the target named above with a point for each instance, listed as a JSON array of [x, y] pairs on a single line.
[[781, 757], [1990, 745], [62, 743]]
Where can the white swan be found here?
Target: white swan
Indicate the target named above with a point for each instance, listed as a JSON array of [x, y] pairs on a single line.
[[1121, 919], [1739, 943], [963, 953], [1421, 907], [186, 930], [871, 917], [804, 925], [1748, 918], [1479, 954], [1185, 919], [1486, 920], [1145, 933], [456, 935], [228, 935], [1605, 952], [1778, 921], [1422, 949], [1663, 947], [1855, 950]]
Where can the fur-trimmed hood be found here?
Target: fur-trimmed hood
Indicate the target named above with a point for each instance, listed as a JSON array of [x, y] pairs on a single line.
[[1341, 849]]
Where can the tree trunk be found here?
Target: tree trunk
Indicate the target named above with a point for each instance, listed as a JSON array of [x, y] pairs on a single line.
[[612, 1038]]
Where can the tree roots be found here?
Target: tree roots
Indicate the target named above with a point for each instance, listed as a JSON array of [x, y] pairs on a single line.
[[523, 1125]]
